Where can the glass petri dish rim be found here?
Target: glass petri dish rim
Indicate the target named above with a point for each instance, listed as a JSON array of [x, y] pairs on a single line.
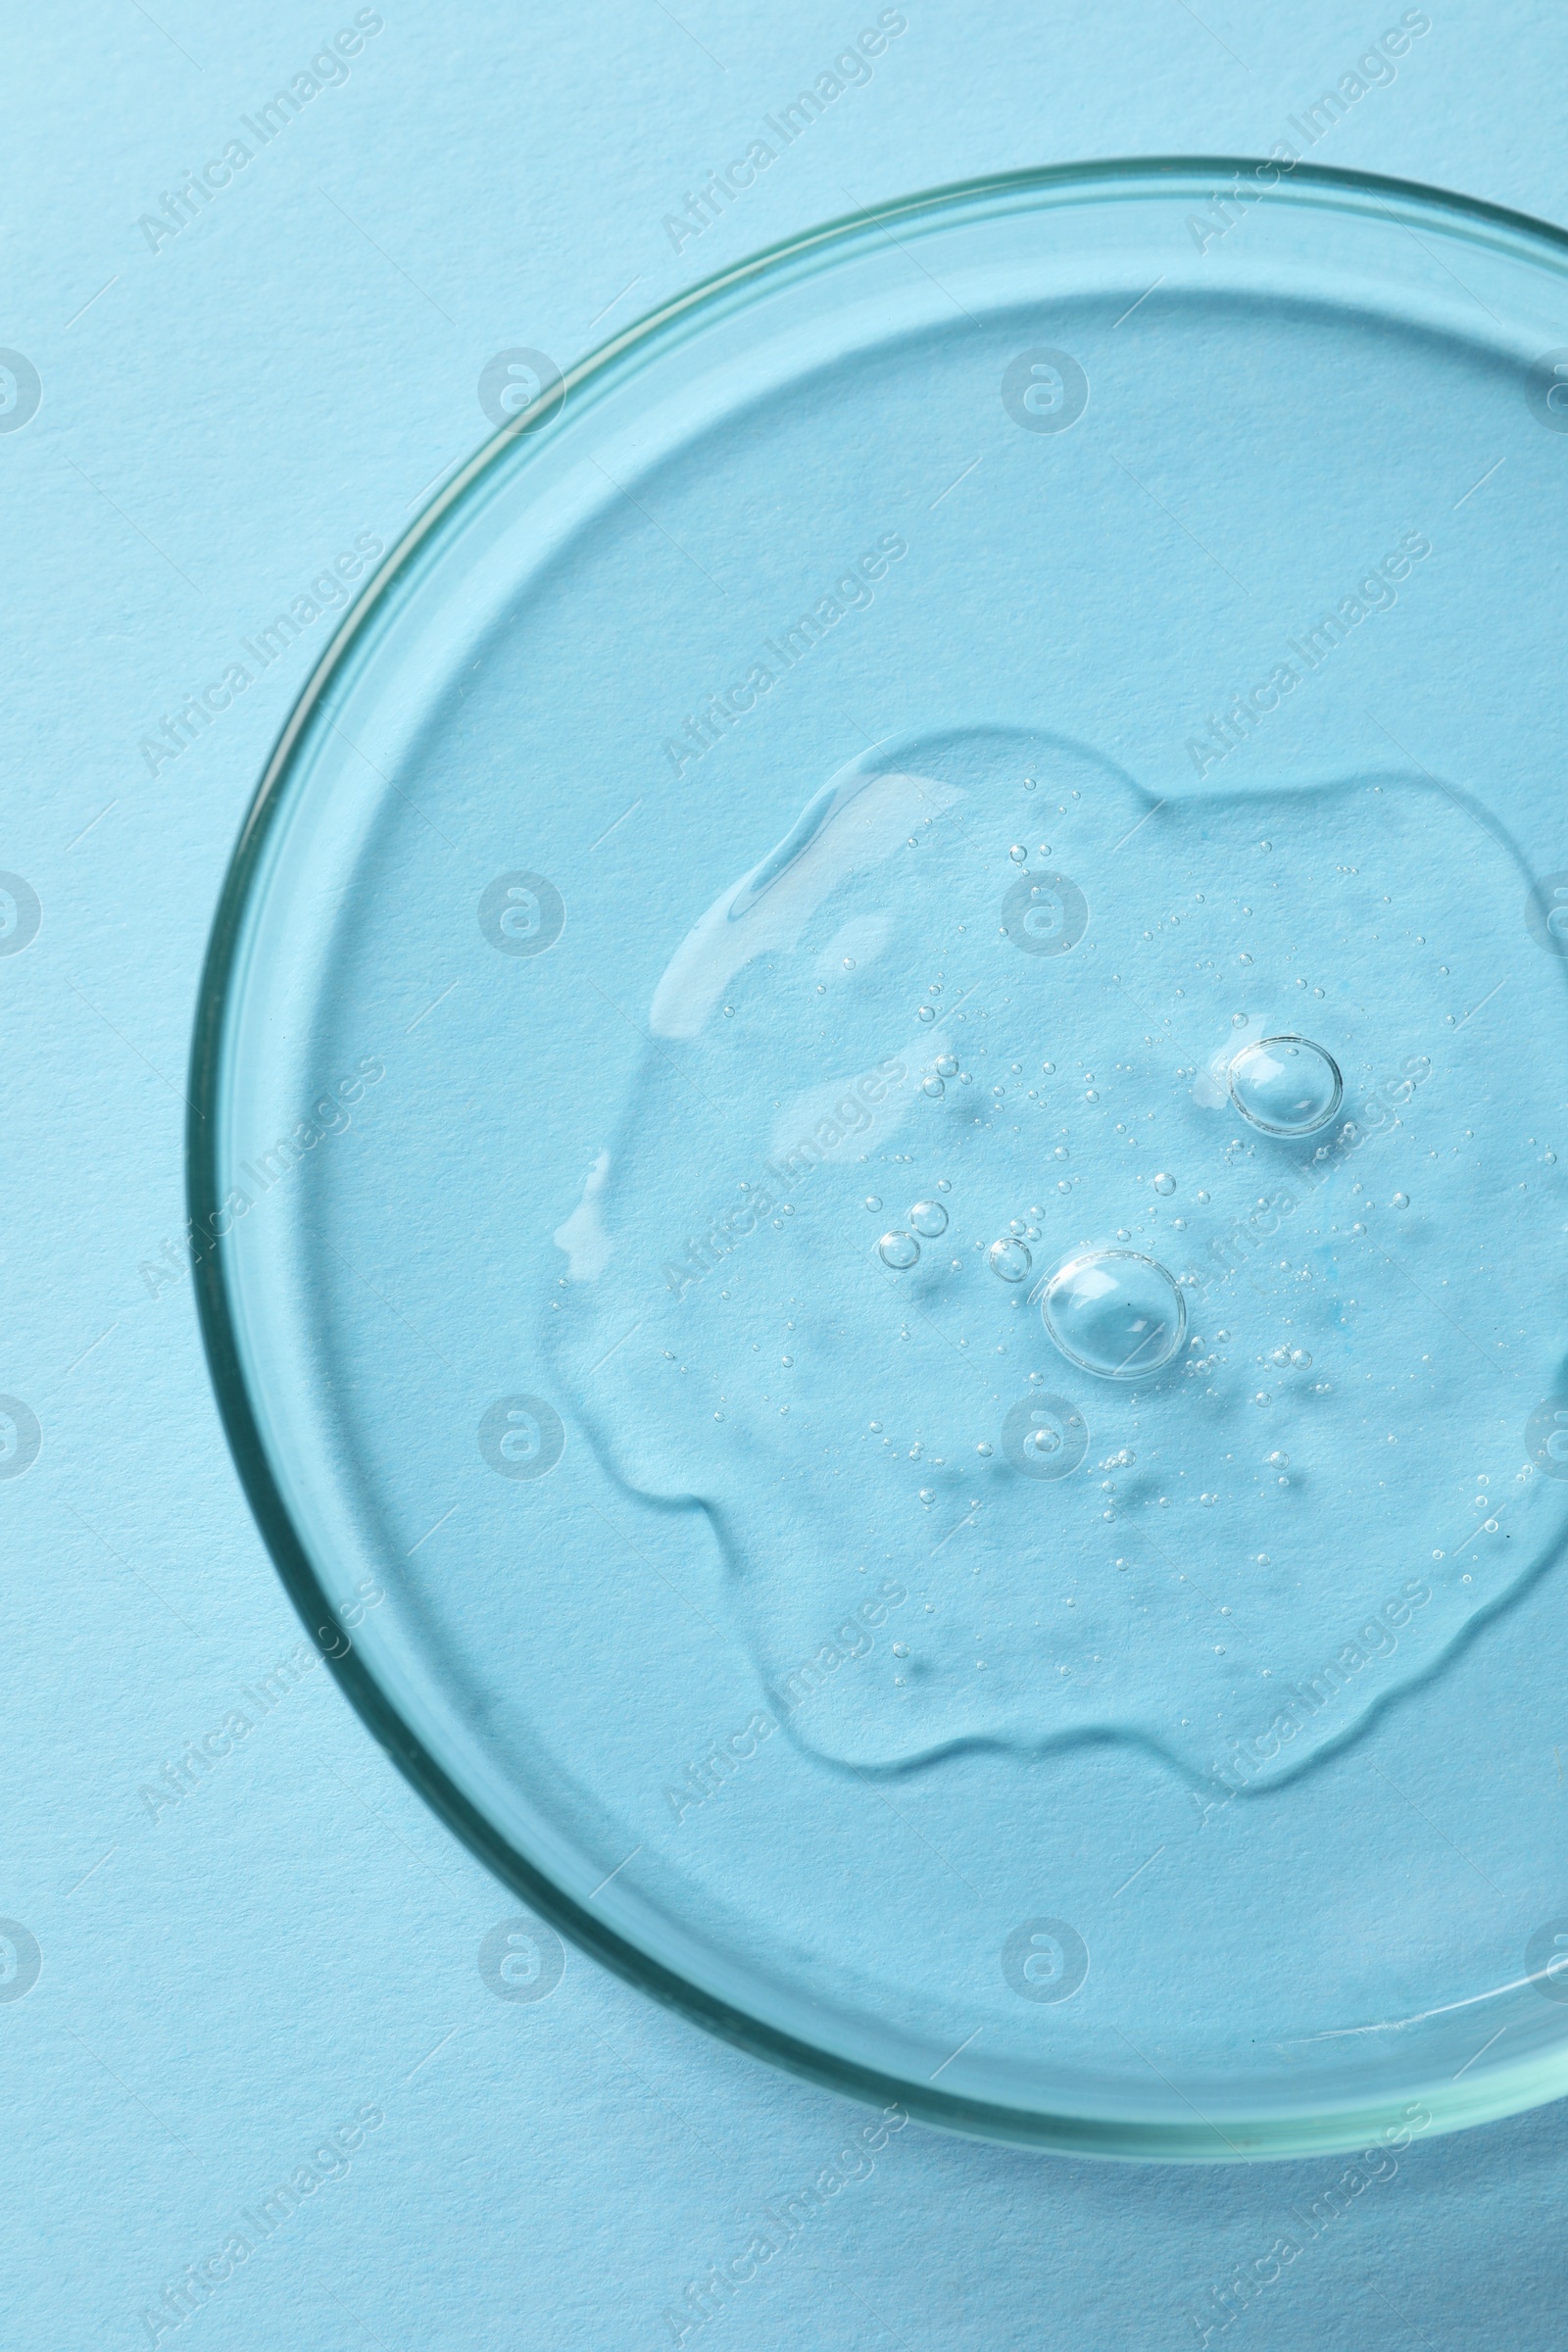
[[1452, 2104]]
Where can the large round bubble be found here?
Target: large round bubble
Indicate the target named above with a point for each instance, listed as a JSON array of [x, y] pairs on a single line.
[[1286, 1084], [1116, 1313]]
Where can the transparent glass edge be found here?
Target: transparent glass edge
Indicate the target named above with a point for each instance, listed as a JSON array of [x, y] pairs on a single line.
[[1292, 2134]]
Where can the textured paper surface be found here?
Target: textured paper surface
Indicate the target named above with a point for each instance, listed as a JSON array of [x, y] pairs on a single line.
[[251, 1942]]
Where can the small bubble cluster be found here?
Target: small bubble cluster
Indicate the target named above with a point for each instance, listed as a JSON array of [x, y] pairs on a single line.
[[901, 1248]]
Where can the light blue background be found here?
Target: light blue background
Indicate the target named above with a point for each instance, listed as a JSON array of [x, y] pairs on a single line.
[[224, 1984]]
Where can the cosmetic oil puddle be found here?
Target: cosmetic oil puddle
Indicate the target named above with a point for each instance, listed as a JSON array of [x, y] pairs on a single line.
[[1125, 1228]]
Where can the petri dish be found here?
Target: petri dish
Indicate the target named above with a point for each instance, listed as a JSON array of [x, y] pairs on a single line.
[[1016, 733]]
